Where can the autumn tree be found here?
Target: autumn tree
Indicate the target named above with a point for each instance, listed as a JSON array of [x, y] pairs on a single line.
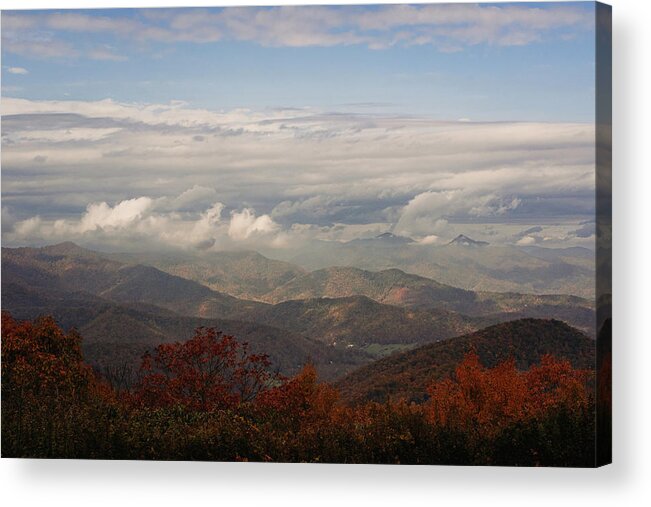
[[210, 398], [40, 357], [48, 394], [542, 415], [300, 417], [210, 371]]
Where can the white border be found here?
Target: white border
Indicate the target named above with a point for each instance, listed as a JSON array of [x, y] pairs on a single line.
[[627, 482]]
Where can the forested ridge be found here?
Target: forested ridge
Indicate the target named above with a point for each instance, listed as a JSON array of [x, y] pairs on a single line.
[[211, 398]]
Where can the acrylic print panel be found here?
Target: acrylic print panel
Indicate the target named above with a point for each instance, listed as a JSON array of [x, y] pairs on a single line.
[[346, 234]]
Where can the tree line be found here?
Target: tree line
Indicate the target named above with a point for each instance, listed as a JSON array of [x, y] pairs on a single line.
[[210, 398]]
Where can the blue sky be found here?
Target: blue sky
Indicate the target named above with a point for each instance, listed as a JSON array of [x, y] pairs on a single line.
[[271, 126], [525, 70]]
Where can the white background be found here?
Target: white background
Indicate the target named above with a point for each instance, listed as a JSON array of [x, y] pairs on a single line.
[[627, 482]]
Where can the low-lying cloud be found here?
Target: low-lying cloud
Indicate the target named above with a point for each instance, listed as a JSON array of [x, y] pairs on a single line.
[[145, 221], [170, 171]]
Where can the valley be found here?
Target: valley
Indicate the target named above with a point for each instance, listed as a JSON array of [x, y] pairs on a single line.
[[338, 318]]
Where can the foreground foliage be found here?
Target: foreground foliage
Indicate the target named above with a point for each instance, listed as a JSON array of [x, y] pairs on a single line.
[[210, 399]]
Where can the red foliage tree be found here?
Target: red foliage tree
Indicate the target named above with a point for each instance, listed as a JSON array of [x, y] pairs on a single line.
[[210, 371], [48, 393], [301, 399], [40, 358], [483, 401]]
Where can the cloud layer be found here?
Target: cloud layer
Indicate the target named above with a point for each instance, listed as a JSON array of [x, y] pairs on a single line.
[[87, 169], [447, 27]]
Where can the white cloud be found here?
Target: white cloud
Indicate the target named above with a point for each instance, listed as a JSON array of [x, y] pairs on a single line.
[[17, 70], [8, 220], [526, 241], [448, 27], [139, 223], [106, 54], [64, 135], [101, 215], [493, 205], [244, 223], [423, 214], [13, 21], [29, 229], [42, 49], [302, 170], [431, 239], [430, 212], [80, 22]]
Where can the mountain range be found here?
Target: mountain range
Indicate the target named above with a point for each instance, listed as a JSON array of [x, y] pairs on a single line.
[[338, 318], [489, 267], [395, 287], [252, 276], [116, 333], [245, 274]]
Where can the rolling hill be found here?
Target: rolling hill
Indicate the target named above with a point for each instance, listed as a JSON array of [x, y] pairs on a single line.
[[243, 274], [370, 314], [70, 268], [390, 286], [395, 287], [77, 286], [489, 268], [407, 374], [288, 351], [252, 276], [358, 321], [115, 334]]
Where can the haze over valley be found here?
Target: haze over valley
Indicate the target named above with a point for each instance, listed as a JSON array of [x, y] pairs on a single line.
[[337, 317]]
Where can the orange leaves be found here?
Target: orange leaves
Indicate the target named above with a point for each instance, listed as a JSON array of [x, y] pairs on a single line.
[[50, 399], [210, 398], [554, 383], [483, 401], [301, 397], [209, 371], [40, 356]]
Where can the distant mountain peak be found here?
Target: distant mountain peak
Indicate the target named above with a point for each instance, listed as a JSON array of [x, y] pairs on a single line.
[[67, 248], [464, 240], [64, 245], [384, 239], [389, 236]]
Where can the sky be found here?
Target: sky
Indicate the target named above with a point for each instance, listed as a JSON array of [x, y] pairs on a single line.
[[209, 128]]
